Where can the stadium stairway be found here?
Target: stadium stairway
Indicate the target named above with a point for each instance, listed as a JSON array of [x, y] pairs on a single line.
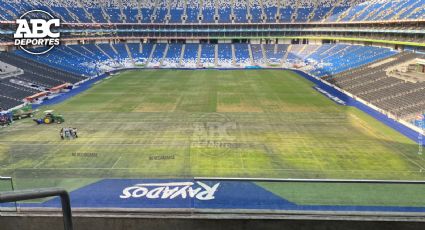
[[129, 53]]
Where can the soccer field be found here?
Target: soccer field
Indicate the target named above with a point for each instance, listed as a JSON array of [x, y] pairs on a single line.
[[180, 124]]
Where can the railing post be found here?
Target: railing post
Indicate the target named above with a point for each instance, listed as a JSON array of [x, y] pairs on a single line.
[[43, 193], [66, 211]]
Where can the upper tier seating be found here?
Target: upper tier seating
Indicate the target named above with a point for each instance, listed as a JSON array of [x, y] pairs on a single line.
[[207, 11], [377, 10]]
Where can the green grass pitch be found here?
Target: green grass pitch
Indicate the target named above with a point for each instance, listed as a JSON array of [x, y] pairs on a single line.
[[174, 124]]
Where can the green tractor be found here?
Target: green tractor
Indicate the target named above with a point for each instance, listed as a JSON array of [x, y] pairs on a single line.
[[50, 118], [23, 112]]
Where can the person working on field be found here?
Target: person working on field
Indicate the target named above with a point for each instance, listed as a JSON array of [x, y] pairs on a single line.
[[75, 132], [71, 133], [61, 134]]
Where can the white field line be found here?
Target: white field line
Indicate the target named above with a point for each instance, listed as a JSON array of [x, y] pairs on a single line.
[[113, 166], [361, 122]]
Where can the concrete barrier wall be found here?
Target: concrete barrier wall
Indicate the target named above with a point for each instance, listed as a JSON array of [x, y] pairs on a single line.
[[195, 223]]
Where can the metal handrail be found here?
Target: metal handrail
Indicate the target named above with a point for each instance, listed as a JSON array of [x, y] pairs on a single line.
[[331, 181], [22, 195], [9, 179]]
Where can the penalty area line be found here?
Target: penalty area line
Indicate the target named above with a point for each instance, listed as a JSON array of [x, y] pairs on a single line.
[[119, 158]]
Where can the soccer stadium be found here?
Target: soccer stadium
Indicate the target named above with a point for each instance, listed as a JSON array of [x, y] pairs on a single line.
[[300, 112]]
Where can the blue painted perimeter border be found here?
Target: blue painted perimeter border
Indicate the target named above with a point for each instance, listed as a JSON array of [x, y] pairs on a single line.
[[228, 195]]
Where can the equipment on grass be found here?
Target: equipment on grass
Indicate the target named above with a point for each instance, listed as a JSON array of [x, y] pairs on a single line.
[[5, 119], [23, 112], [50, 118]]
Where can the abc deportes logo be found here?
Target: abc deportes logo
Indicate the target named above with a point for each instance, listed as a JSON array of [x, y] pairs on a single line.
[[34, 28]]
